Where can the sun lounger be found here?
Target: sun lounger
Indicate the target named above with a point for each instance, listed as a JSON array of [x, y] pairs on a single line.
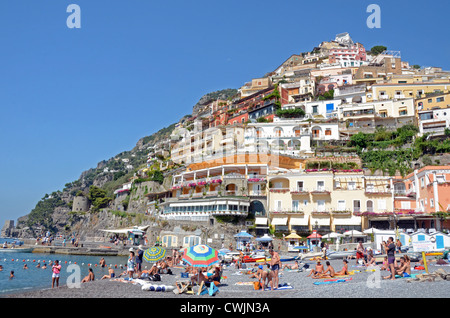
[[183, 287]]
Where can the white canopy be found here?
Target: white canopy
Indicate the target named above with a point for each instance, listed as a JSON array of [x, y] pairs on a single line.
[[371, 230], [332, 235], [261, 221], [354, 233], [279, 221], [298, 221]]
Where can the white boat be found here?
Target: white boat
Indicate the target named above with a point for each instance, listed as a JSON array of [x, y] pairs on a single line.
[[17, 250], [340, 254]]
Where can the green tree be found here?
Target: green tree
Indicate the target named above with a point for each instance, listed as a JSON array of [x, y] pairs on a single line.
[[378, 49], [98, 198]]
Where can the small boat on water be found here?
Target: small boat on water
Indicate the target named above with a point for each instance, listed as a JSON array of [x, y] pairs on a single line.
[[17, 250]]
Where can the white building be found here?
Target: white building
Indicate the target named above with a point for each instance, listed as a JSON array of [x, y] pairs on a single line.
[[434, 121], [317, 109], [288, 136]]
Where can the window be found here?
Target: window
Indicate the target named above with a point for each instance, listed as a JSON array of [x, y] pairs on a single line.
[[356, 206], [321, 205], [341, 205], [337, 184], [295, 206], [382, 204], [315, 109], [369, 187], [328, 132], [431, 203], [440, 179], [430, 100], [305, 202], [299, 185], [278, 185], [406, 205], [403, 112], [422, 182], [439, 99], [352, 185], [278, 205], [320, 185]]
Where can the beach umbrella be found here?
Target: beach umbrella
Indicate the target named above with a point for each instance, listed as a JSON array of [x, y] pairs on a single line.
[[332, 235], [371, 231], [354, 233], [154, 254], [201, 256], [264, 238], [243, 234]]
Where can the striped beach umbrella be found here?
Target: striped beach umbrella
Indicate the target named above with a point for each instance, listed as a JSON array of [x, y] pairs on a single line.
[[201, 256], [154, 254]]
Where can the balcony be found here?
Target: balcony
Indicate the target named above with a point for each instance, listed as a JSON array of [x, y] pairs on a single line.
[[341, 212], [319, 212], [287, 211], [377, 192], [212, 194], [257, 193], [257, 178], [299, 191], [279, 190], [234, 176], [321, 190]]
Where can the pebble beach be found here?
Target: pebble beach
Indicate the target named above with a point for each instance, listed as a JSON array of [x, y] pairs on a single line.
[[238, 285]]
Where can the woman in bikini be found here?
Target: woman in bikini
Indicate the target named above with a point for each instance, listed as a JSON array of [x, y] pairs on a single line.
[[344, 270]]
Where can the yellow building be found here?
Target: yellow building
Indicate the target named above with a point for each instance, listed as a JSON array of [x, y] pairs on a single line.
[[406, 90], [326, 200], [432, 101]]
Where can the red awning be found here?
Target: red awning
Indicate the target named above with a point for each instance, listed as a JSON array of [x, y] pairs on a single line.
[[314, 235]]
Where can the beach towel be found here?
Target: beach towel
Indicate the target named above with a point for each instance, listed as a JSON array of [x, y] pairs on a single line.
[[281, 287], [332, 282], [244, 283]]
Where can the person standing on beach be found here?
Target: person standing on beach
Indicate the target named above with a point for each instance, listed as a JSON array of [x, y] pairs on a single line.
[[359, 252], [56, 269], [131, 264], [139, 257], [275, 264], [390, 251]]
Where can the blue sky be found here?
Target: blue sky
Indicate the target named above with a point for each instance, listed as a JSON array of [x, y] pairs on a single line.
[[70, 98]]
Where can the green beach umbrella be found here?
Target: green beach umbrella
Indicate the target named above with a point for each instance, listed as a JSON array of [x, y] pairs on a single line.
[[201, 256], [154, 254]]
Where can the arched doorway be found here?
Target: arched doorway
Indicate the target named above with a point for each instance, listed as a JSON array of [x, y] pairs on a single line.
[[257, 208]]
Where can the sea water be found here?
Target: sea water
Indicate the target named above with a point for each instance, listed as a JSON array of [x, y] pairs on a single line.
[[35, 278]]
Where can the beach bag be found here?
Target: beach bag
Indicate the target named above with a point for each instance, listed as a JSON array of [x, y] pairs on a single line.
[[256, 285], [156, 278]]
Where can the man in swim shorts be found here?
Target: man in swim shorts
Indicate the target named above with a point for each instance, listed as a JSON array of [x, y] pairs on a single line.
[[275, 266], [317, 271], [389, 247], [330, 271]]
